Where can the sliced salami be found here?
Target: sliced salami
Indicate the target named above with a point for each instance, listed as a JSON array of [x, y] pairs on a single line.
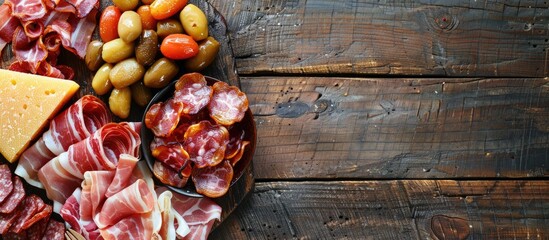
[[16, 196], [162, 118], [6, 184], [236, 135], [169, 176], [36, 231], [31, 205], [173, 155], [206, 143], [213, 181], [7, 220], [42, 214], [228, 104], [193, 92], [234, 159], [54, 231]]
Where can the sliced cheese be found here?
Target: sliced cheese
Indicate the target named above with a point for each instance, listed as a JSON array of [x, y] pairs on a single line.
[[27, 103]]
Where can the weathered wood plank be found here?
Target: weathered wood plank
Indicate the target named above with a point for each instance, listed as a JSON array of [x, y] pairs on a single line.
[[411, 209], [321, 127], [444, 38]]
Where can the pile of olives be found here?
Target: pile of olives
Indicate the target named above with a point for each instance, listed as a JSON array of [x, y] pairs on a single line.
[[145, 49]]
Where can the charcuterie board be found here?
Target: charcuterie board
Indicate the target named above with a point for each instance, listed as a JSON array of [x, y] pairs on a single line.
[[222, 68]]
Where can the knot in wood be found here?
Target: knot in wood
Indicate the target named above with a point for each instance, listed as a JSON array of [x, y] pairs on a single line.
[[445, 22], [445, 227]]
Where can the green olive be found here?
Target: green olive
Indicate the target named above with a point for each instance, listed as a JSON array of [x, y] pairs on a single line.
[[101, 83], [207, 51], [147, 48], [167, 27], [194, 22], [117, 50], [129, 26], [140, 94], [120, 102], [125, 73], [93, 55], [160, 73], [126, 5]]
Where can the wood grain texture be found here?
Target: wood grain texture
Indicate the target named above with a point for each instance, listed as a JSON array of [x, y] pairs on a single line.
[[410, 209], [324, 127], [442, 38]]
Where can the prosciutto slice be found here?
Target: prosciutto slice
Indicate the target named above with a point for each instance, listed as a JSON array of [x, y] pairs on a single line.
[[135, 199], [73, 125], [124, 169], [27, 10], [133, 227], [199, 213], [8, 24], [100, 151]]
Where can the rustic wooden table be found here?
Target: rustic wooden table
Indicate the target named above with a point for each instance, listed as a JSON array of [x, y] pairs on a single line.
[[394, 119]]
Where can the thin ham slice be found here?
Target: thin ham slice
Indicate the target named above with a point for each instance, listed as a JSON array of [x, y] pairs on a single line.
[[8, 24], [94, 187], [83, 7], [133, 227], [124, 170], [62, 175], [82, 30], [135, 199], [199, 213], [74, 124], [27, 10]]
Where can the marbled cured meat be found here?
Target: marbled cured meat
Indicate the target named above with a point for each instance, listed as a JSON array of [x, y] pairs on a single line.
[[206, 143], [193, 92], [27, 10], [122, 175], [135, 199], [63, 174], [213, 181], [16, 196], [133, 227], [173, 155], [170, 176], [6, 184], [228, 104], [31, 205], [74, 124], [162, 118], [8, 24], [54, 231]]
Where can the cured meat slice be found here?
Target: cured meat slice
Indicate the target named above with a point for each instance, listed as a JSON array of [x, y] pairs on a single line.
[[16, 196], [8, 24], [72, 125], [124, 169], [173, 155], [170, 176], [135, 199], [28, 50], [6, 184], [162, 118], [213, 181], [57, 34], [199, 213], [7, 220], [70, 212], [134, 227], [83, 7], [206, 143], [135, 126], [36, 231], [33, 29], [54, 231], [193, 92], [228, 104], [26, 10], [31, 204], [234, 160], [94, 187], [236, 135], [82, 29], [169, 218], [100, 151], [38, 216]]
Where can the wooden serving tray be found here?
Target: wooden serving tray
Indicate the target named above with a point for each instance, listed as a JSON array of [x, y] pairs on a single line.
[[223, 68]]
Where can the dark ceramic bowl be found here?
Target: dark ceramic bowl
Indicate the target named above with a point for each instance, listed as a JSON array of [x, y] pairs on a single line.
[[147, 137]]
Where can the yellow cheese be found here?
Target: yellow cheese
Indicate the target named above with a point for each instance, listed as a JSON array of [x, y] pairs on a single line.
[[27, 103]]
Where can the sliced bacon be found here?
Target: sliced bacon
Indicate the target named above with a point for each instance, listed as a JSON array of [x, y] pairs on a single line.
[[135, 199], [124, 169], [16, 196], [27, 10], [6, 183], [82, 30], [206, 143], [193, 92], [228, 104], [162, 118], [72, 125], [170, 176], [100, 151], [199, 213], [54, 231], [8, 24], [213, 181]]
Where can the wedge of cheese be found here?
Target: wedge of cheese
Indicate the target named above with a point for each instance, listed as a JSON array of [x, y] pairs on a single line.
[[27, 103]]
